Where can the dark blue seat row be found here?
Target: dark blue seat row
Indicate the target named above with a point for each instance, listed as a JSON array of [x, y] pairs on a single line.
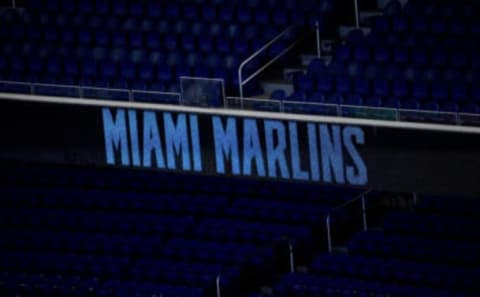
[[184, 273], [95, 221], [81, 243], [396, 271], [230, 253], [66, 264], [123, 288], [459, 58], [179, 203], [279, 211], [11, 284], [248, 231], [449, 206], [437, 226], [254, 11], [309, 285], [415, 248]]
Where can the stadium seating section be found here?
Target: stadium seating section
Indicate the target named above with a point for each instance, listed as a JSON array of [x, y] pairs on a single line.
[[113, 232], [92, 232], [422, 56], [144, 45], [71, 231], [416, 254]]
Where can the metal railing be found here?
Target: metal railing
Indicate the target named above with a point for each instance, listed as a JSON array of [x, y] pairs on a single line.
[[256, 104], [241, 81], [89, 92], [363, 208]]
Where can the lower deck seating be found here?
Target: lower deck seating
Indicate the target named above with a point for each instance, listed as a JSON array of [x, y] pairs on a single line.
[[416, 255], [131, 233]]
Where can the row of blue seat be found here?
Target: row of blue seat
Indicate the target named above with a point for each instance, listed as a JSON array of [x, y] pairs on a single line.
[[279, 211], [197, 17], [248, 231], [418, 56], [95, 221], [81, 243], [93, 62], [309, 285], [415, 248], [46, 182], [227, 253], [66, 264], [11, 284], [423, 41], [122, 288], [394, 270], [439, 90], [455, 25], [221, 10], [380, 74], [441, 9], [186, 36], [374, 101], [184, 273], [431, 225], [31, 284], [94, 199], [449, 206]]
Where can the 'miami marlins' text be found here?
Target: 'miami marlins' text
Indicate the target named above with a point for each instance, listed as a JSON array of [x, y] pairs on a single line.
[[232, 145]]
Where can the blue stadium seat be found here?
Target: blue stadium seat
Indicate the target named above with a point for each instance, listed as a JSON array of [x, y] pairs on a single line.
[[304, 82], [439, 91], [400, 88], [381, 87], [86, 7], [325, 83], [361, 86], [278, 95], [374, 101], [343, 84]]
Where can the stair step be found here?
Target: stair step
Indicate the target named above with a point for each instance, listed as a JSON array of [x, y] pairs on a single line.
[[288, 73], [366, 15], [327, 46], [340, 250], [382, 3], [344, 30], [307, 58], [266, 290], [271, 85]]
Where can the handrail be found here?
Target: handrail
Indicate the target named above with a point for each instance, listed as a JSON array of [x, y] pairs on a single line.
[[81, 89], [357, 17], [356, 198], [360, 197], [241, 82], [459, 116]]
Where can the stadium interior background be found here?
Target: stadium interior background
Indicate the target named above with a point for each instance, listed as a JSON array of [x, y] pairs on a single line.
[[242, 148]]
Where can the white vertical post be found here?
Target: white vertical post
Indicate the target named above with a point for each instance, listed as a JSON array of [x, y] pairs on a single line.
[[240, 86], [317, 31], [14, 4], [414, 199], [240, 83], [292, 259], [217, 281], [364, 213], [357, 20], [329, 235]]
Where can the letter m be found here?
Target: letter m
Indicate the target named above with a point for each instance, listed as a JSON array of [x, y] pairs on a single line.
[[115, 134]]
